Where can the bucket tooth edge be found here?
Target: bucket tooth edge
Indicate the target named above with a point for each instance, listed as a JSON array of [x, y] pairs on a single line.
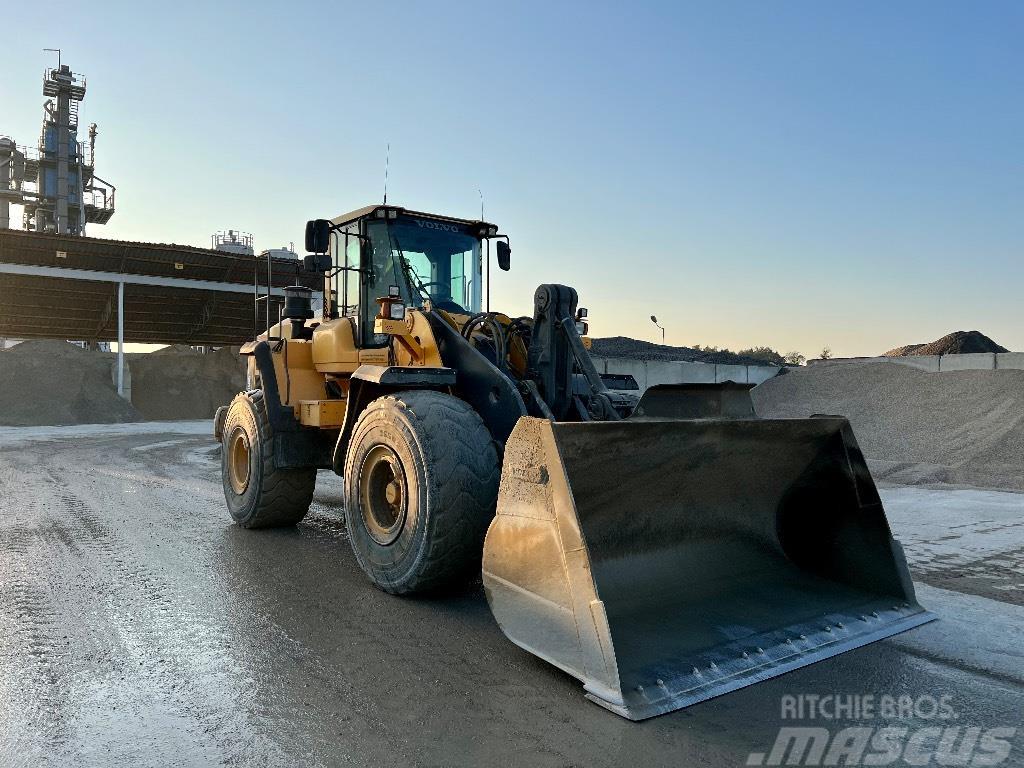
[[735, 681]]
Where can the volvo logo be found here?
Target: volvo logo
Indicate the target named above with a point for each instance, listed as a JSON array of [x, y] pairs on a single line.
[[427, 224]]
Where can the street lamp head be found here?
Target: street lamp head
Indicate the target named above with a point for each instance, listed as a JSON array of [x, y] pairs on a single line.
[[660, 328]]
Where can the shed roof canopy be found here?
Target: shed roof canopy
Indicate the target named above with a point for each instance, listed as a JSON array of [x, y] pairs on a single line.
[[43, 293]]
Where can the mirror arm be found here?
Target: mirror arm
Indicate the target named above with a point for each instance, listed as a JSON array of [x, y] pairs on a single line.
[[487, 263]]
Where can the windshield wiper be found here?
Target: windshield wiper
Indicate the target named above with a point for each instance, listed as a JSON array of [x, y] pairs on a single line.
[[408, 270]]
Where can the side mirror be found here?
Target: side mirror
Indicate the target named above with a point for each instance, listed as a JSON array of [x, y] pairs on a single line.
[[318, 236], [504, 256], [317, 262]]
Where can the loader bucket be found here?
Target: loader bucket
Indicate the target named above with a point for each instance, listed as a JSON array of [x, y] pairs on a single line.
[[664, 562]]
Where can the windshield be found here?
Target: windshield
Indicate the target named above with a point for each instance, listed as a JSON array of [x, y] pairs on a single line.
[[427, 259]]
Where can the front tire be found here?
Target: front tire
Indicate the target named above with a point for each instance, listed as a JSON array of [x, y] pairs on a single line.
[[259, 495], [421, 484]]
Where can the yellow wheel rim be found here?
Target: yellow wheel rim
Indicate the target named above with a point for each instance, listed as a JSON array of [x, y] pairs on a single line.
[[383, 495], [238, 461]]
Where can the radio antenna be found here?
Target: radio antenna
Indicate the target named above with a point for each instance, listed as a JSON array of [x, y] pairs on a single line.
[[481, 204], [387, 163]]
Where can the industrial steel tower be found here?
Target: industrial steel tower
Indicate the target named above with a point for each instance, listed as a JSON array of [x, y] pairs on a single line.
[[56, 183]]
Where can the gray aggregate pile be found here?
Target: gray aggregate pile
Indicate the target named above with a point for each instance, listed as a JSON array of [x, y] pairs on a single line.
[[635, 349], [956, 343], [50, 382], [53, 382], [915, 427], [180, 383]]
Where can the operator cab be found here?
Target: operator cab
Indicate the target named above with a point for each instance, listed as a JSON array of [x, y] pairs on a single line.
[[368, 253]]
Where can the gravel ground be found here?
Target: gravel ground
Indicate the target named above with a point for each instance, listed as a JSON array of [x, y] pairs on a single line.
[[956, 428], [139, 627], [967, 540]]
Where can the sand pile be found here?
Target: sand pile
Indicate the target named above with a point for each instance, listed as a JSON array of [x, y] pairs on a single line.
[[635, 349], [53, 382], [956, 343], [915, 427], [179, 383]]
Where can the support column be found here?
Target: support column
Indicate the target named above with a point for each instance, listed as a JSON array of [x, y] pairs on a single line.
[[5, 185], [120, 338]]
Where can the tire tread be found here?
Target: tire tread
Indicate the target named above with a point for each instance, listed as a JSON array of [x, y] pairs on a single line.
[[284, 495], [462, 471]]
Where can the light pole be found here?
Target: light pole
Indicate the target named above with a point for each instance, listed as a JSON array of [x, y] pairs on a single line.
[[655, 321]]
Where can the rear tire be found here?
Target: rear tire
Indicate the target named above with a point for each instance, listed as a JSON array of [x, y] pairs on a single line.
[[259, 495], [421, 484]]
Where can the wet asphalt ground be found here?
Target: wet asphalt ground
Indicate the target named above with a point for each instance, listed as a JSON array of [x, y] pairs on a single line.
[[138, 626]]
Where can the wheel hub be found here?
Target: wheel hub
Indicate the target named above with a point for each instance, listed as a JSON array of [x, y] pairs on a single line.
[[383, 497], [238, 460]]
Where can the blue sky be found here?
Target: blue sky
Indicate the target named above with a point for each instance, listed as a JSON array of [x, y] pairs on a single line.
[[793, 174]]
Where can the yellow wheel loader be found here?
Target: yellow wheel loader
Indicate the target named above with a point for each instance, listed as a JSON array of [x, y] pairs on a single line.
[[662, 551]]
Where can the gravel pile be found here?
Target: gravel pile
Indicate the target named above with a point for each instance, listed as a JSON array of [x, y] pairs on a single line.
[[52, 382], [915, 427], [956, 343], [179, 383], [635, 349]]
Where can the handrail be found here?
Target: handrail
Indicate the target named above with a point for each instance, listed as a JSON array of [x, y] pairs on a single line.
[[76, 80]]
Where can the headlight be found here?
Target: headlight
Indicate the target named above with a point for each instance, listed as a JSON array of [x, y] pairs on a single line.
[[581, 328], [398, 311]]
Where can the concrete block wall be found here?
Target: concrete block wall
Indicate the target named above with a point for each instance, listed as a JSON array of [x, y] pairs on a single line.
[[985, 361], [973, 361], [651, 372], [835, 360], [689, 373], [924, 362], [730, 373], [1011, 360], [758, 373]]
